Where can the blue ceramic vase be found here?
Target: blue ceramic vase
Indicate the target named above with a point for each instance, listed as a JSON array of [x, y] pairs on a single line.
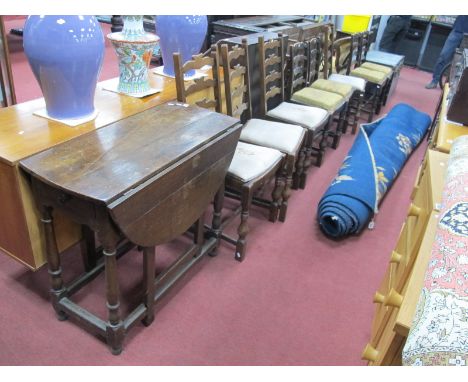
[[65, 54], [183, 34], [134, 48]]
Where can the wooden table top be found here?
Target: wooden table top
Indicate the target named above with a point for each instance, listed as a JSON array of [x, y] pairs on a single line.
[[447, 131], [23, 134], [106, 163]]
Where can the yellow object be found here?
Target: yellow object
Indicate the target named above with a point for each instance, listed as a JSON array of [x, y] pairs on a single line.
[[355, 23], [318, 98], [344, 90], [447, 131], [369, 75], [377, 67]]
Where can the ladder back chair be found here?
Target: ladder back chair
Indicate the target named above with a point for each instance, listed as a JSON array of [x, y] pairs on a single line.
[[205, 87], [305, 62], [251, 165], [279, 114], [289, 139]]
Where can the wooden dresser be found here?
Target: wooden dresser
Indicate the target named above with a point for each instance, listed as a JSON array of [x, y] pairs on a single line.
[[395, 300]]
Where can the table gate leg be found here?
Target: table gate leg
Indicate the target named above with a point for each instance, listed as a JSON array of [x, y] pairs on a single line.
[[148, 282], [115, 329], [217, 217], [88, 248], [53, 260], [199, 237]]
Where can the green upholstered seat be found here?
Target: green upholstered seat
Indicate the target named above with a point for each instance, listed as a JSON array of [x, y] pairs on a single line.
[[369, 75], [319, 98], [343, 90], [377, 67]]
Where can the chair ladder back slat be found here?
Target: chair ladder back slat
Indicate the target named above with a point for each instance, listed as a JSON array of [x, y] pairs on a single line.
[[235, 65], [199, 84], [275, 57]]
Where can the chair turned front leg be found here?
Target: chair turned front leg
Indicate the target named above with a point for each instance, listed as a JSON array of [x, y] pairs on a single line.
[[57, 290], [300, 169], [149, 271], [276, 195], [243, 228], [288, 172], [115, 329]]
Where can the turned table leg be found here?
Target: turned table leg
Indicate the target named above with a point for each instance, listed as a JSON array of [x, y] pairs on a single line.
[[57, 291], [149, 270], [217, 217], [115, 328]]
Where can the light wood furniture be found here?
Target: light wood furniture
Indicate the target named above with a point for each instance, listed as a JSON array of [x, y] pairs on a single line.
[[395, 300], [23, 134], [145, 179], [446, 132]]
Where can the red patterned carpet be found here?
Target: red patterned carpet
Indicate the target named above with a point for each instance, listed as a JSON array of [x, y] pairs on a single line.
[[298, 298]]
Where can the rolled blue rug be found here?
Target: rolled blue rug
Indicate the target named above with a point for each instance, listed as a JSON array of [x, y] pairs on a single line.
[[368, 171]]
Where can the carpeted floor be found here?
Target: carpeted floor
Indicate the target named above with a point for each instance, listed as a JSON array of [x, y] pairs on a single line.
[[298, 298]]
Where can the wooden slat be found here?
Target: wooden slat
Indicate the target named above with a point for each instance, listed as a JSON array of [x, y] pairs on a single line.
[[237, 71], [271, 44], [207, 103], [197, 62], [199, 84], [239, 109], [272, 60], [236, 52], [272, 92], [273, 76]]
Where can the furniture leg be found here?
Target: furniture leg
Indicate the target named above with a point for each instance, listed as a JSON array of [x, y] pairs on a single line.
[[88, 248], [276, 198], [243, 229], [149, 272], [114, 329], [308, 160], [299, 166], [217, 217], [199, 237], [287, 188], [57, 291]]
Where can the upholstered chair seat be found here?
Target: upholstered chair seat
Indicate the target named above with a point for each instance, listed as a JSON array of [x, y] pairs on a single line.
[[356, 82], [378, 68], [319, 98], [370, 75], [384, 58], [280, 136], [344, 90], [305, 116], [252, 161]]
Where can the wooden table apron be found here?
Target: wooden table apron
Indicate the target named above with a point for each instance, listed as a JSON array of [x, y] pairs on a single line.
[[146, 178]]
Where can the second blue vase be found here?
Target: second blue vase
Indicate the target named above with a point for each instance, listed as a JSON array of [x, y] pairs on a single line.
[[184, 34]]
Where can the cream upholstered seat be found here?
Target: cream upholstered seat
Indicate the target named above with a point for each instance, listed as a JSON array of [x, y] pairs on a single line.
[[251, 161], [305, 116], [356, 82], [281, 136], [342, 89], [319, 98]]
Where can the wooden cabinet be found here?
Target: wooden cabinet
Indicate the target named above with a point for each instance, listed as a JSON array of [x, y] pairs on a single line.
[[396, 298]]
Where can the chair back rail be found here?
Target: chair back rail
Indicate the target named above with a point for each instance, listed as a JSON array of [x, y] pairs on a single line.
[[298, 67], [211, 101], [235, 63], [271, 53]]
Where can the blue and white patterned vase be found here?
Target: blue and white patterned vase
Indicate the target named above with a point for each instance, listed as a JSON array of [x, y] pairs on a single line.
[[65, 54], [134, 48], [184, 34]]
